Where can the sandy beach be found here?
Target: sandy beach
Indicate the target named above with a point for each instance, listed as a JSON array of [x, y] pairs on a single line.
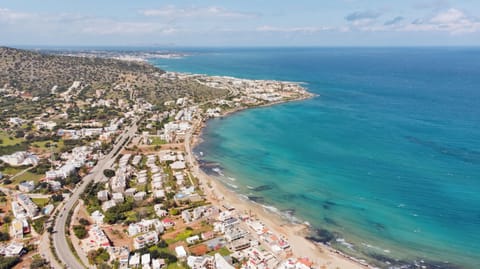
[[323, 256]]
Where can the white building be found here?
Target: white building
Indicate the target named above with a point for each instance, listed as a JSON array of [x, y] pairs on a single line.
[[103, 195], [134, 260], [118, 197], [26, 186], [30, 207], [146, 259], [181, 252], [107, 205], [178, 165], [20, 158], [145, 240], [97, 217]]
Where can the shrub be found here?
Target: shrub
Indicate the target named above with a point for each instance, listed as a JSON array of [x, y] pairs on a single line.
[[84, 222], [109, 173], [4, 236], [80, 231]]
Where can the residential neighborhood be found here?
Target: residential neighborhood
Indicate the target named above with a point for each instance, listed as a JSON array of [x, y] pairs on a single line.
[[141, 203]]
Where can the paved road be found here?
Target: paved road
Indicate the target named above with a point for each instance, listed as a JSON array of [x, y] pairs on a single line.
[[59, 237]]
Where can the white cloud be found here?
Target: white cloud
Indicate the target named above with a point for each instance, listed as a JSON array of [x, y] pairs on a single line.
[[76, 23], [394, 21], [267, 28], [111, 27], [10, 16], [453, 21], [363, 15], [362, 20], [195, 12], [450, 16]]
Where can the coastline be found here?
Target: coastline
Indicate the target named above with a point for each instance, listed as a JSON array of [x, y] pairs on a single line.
[[218, 194]]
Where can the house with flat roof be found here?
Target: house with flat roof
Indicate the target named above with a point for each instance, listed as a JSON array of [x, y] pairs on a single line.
[[180, 252], [192, 239], [201, 262], [118, 197], [158, 263], [30, 207], [26, 186], [134, 260], [107, 205], [145, 259], [145, 240], [103, 195], [16, 229]]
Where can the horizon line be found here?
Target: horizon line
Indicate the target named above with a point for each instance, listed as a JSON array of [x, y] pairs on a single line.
[[42, 46]]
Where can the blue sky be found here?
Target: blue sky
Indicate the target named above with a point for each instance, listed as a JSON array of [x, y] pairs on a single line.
[[240, 23]]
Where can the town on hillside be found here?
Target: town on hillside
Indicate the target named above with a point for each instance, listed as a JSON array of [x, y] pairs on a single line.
[[119, 170]]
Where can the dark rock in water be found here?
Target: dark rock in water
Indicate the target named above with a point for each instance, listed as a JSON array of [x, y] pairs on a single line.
[[290, 211], [330, 221], [263, 188], [208, 164], [328, 204], [379, 226], [256, 199], [321, 236], [440, 265], [385, 259], [290, 196], [463, 154], [394, 263]]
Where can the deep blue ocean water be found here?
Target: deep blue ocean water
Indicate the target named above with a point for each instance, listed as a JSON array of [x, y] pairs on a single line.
[[386, 157]]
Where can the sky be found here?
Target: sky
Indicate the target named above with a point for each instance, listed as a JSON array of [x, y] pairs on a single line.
[[240, 23]]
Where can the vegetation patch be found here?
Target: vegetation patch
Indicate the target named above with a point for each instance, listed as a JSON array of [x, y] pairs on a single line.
[[41, 202], [39, 225], [80, 231], [8, 262], [222, 251], [98, 256], [9, 139]]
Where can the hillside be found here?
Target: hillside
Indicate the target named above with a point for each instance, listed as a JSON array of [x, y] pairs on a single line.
[[37, 73]]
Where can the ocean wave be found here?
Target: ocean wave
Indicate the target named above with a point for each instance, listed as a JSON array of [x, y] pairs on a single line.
[[376, 248], [342, 241], [271, 209], [218, 170], [231, 185]]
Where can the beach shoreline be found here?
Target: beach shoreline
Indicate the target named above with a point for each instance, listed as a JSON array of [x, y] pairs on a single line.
[[218, 194]]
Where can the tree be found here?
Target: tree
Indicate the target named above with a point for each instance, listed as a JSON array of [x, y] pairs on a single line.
[[39, 263], [4, 236], [109, 173], [7, 219], [104, 266], [173, 211], [19, 134], [98, 256], [80, 231], [84, 221], [57, 197], [8, 262]]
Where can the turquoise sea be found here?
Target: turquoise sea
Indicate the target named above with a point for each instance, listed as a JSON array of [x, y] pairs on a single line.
[[384, 163]]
